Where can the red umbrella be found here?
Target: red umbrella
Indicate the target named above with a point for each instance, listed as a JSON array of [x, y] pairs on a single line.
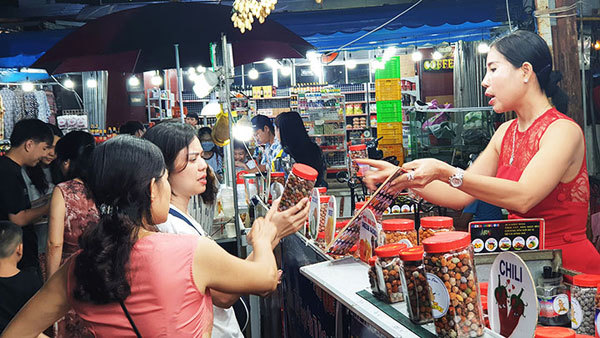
[[142, 39]]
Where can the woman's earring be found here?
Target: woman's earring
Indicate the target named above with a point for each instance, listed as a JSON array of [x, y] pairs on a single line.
[[526, 80]]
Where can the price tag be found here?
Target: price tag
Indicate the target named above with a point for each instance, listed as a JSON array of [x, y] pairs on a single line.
[[507, 235]]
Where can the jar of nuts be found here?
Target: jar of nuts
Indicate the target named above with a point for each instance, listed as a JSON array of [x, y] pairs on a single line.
[[356, 152], [400, 230], [339, 225], [455, 301], [388, 272], [597, 310], [320, 241], [278, 177], [583, 303], [299, 184], [416, 288], [554, 332], [373, 276], [323, 203], [433, 224]]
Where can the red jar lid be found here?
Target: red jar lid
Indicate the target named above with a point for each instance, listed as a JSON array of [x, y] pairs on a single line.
[[586, 280], [390, 250], [322, 190], [239, 181], [412, 254], [398, 224], [437, 222], [554, 332], [321, 235], [277, 174], [357, 147], [372, 261], [359, 205], [447, 241], [341, 224], [483, 287], [324, 199], [583, 336], [305, 171]]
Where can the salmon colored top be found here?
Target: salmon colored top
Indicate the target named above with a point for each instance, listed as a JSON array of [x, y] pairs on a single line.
[[164, 301], [565, 209]]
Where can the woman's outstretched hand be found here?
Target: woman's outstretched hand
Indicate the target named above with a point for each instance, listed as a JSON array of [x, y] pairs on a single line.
[[379, 172], [290, 220], [424, 171]]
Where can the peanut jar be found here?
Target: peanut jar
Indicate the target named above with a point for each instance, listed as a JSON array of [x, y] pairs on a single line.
[[583, 303], [356, 152], [400, 230], [278, 177], [323, 203], [416, 288], [455, 298], [433, 224], [387, 266], [373, 277], [299, 184], [320, 241]]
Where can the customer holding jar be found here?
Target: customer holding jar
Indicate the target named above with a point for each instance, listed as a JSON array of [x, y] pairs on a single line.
[[187, 171], [534, 166]]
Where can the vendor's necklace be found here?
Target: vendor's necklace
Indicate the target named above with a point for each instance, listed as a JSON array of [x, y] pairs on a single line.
[[512, 153]]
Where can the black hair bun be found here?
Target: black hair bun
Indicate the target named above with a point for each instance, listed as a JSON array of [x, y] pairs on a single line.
[[552, 85]]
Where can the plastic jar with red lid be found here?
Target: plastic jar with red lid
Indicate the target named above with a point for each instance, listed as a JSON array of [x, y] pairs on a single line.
[[597, 303], [323, 203], [388, 266], [322, 190], [416, 288], [554, 332], [373, 277], [299, 184], [433, 224], [356, 152], [320, 241], [450, 266], [359, 205], [400, 230], [583, 303], [278, 177]]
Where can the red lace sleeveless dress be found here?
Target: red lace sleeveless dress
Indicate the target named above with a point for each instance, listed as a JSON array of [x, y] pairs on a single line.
[[565, 209]]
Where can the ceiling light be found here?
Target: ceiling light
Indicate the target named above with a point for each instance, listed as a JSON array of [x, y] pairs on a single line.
[[350, 64], [69, 84], [597, 45], [272, 63], [91, 83], [156, 80], [312, 55], [134, 81], [388, 53], [253, 74], [417, 56], [200, 69], [286, 71], [242, 129], [27, 86], [191, 70], [211, 109], [205, 83], [436, 55], [483, 48]]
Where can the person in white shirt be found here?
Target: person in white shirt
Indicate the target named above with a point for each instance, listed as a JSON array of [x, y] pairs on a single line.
[[187, 170]]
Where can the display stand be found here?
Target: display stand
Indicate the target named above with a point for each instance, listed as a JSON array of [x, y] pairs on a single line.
[[161, 101]]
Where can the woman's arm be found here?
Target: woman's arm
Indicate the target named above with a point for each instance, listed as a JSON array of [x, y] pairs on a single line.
[[43, 309], [56, 229]]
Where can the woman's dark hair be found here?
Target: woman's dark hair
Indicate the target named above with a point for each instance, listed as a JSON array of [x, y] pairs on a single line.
[[36, 174], [295, 141], [131, 127], [524, 46], [171, 138], [210, 194], [75, 147], [204, 130], [121, 191]]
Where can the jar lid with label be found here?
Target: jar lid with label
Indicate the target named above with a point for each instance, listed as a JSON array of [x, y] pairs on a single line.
[[304, 171], [324, 199], [412, 254], [586, 280], [390, 250], [437, 222], [447, 241], [398, 224], [322, 190]]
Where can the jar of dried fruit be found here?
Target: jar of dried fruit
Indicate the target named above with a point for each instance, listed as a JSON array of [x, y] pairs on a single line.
[[400, 230], [388, 265], [455, 302], [299, 184], [416, 288], [433, 224]]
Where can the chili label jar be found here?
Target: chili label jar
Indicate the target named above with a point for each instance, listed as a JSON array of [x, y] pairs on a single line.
[[387, 266], [356, 152], [455, 299], [299, 184], [583, 303], [416, 288], [434, 224], [323, 204], [400, 231]]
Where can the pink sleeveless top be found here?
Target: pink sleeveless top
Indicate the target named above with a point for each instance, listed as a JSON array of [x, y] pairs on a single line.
[[565, 209], [164, 301]]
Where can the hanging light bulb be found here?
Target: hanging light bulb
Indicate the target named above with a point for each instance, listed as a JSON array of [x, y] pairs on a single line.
[[27, 86], [417, 56], [134, 81], [69, 84], [91, 83], [286, 71], [191, 70], [156, 80], [436, 55], [200, 69], [483, 48], [253, 74], [350, 64]]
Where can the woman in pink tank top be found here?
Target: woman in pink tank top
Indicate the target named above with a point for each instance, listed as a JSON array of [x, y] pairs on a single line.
[[129, 280], [534, 166]]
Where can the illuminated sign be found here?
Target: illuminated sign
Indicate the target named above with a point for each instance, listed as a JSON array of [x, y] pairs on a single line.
[[438, 65]]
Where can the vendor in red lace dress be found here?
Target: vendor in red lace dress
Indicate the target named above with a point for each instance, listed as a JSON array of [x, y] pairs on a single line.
[[534, 166]]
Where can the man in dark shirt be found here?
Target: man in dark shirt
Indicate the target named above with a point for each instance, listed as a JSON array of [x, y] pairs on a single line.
[[16, 286], [30, 140]]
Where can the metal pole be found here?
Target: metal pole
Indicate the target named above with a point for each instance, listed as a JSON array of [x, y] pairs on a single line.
[[179, 82], [230, 164]]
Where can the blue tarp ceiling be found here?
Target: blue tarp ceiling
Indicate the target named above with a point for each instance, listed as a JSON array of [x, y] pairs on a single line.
[[22, 49]]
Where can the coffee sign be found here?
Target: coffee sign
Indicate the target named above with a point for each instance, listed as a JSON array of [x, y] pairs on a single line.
[[438, 65]]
